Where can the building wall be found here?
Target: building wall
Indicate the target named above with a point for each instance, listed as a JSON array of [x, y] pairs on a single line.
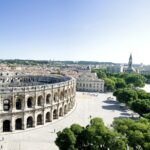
[[114, 69], [48, 102], [90, 85]]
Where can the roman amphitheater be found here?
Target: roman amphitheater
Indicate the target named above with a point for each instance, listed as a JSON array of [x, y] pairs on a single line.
[[28, 101]]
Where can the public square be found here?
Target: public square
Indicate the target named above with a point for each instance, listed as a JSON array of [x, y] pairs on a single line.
[[88, 105]]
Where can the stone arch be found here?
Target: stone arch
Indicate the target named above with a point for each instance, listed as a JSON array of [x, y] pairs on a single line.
[[30, 102], [48, 117], [60, 111], [39, 119], [55, 114], [29, 122], [48, 98], [18, 104], [65, 109], [6, 104], [66, 93], [72, 90], [40, 100], [69, 105], [18, 124], [69, 91], [62, 95], [55, 97], [6, 126]]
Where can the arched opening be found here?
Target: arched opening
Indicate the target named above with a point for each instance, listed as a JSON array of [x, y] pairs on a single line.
[[69, 105], [30, 102], [29, 122], [69, 92], [55, 97], [6, 126], [62, 95], [66, 93], [65, 109], [39, 119], [48, 117], [18, 104], [55, 115], [18, 124], [60, 112], [48, 98], [6, 104], [72, 90], [40, 99]]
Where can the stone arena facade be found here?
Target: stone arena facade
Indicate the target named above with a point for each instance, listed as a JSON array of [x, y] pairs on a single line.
[[30, 101]]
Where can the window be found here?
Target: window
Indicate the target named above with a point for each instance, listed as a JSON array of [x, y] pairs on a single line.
[[29, 102], [18, 104], [6, 105]]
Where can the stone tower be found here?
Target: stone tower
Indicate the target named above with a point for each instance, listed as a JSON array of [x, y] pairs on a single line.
[[130, 61], [130, 68]]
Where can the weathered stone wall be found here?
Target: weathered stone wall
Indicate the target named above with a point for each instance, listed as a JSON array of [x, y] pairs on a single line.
[[31, 106]]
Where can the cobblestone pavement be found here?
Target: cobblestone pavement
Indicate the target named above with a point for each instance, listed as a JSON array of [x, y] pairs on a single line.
[[87, 104]]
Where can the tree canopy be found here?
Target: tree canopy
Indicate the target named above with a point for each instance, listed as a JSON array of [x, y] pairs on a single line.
[[95, 136], [137, 132], [125, 132], [125, 95], [136, 79]]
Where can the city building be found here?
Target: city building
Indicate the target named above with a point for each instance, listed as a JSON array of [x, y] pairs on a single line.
[[130, 68], [30, 101], [89, 82], [115, 69]]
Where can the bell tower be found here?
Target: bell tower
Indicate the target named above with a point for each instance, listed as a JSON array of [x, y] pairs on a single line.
[[130, 68], [130, 62]]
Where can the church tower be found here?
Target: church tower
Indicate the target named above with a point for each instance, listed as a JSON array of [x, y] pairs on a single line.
[[130, 68], [130, 61]]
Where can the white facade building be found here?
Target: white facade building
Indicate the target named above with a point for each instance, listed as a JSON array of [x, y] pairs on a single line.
[[115, 69], [89, 82]]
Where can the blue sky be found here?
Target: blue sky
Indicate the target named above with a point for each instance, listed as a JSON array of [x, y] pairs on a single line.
[[98, 30]]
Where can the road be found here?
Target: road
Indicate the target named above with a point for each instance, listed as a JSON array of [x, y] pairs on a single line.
[[86, 105]]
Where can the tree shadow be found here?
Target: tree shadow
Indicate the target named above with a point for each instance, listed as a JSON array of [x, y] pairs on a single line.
[[114, 107], [130, 117], [111, 102], [125, 114]]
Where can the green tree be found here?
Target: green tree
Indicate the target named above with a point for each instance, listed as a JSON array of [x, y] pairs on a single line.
[[120, 83], [109, 84], [141, 106], [95, 136], [76, 129], [125, 95], [137, 132], [66, 139], [78, 132], [136, 79], [142, 94], [101, 73]]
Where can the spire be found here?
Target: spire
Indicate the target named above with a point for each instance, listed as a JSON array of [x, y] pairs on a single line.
[[130, 68], [130, 58], [130, 61]]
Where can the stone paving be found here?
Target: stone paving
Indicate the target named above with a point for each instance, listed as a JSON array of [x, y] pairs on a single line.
[[87, 104]]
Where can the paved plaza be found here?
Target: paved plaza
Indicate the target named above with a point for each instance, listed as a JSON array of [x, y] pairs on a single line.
[[87, 104]]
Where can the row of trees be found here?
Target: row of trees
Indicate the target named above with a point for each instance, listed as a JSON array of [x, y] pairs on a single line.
[[122, 80], [96, 136], [137, 100]]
